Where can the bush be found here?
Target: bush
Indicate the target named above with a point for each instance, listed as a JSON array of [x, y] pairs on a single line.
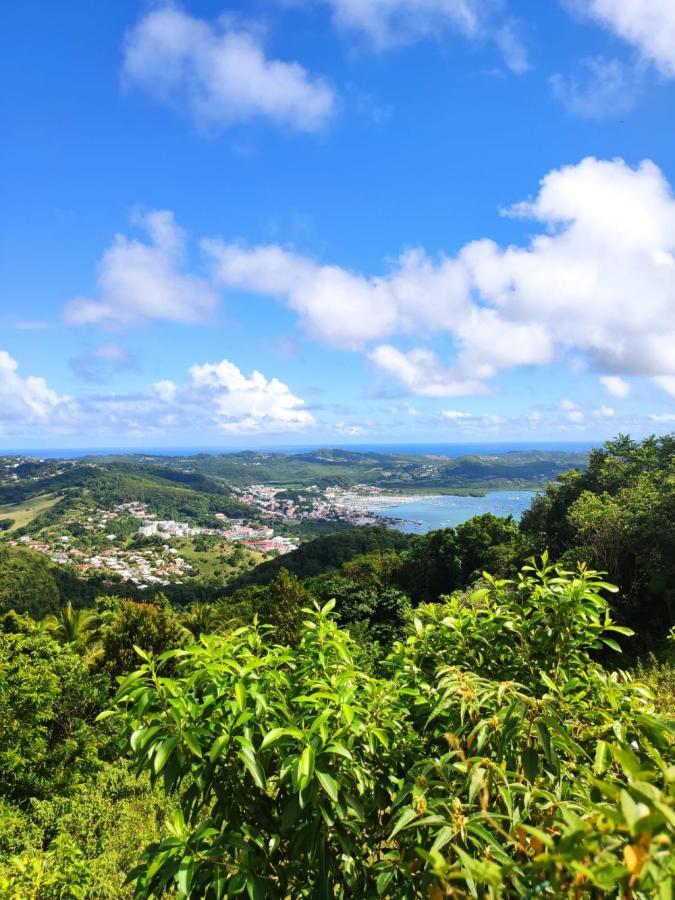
[[498, 759], [48, 702]]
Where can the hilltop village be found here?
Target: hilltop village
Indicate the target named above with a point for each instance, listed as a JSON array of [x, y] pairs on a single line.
[[129, 542]]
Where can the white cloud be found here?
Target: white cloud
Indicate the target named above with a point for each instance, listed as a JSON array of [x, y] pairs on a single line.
[[390, 23], [568, 404], [349, 429], [343, 308], [605, 412], [512, 47], [648, 25], [662, 417], [455, 415], [241, 405], [576, 416], [605, 88], [221, 73], [140, 281], [616, 386], [596, 282], [666, 383], [30, 400], [420, 372], [165, 390]]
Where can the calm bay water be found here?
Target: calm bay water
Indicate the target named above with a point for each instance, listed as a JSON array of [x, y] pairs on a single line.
[[428, 513]]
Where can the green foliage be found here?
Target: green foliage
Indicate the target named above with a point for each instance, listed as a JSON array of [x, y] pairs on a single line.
[[79, 628], [618, 515], [59, 873], [450, 559], [104, 824], [498, 759], [150, 626], [285, 598], [325, 554], [658, 672], [27, 583], [48, 702]]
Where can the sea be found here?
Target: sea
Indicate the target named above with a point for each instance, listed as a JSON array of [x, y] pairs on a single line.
[[445, 511]]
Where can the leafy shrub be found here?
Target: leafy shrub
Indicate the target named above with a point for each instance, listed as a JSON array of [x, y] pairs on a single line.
[[48, 703], [27, 583], [153, 627], [497, 760]]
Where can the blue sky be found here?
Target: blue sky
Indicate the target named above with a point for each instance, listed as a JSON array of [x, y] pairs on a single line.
[[335, 221]]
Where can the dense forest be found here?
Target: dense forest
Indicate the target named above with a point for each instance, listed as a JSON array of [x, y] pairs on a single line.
[[482, 711]]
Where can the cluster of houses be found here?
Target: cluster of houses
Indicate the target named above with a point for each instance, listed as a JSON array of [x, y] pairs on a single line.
[[141, 568]]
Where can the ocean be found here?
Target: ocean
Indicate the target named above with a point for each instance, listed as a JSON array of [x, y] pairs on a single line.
[[429, 513]]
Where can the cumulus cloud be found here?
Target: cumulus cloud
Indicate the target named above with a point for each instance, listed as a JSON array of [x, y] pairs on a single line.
[[421, 372], [165, 390], [139, 281], [343, 308], [605, 412], [616, 386], [598, 279], [30, 401], [662, 417], [648, 25], [221, 74], [240, 405], [603, 89]]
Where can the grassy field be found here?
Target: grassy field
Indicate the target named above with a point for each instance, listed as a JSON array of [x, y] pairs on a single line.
[[24, 513], [216, 562]]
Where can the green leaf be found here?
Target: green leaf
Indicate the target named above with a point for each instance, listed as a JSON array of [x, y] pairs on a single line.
[[444, 836], [163, 753], [217, 747], [248, 758], [338, 750], [403, 820], [277, 733], [306, 767], [603, 757], [191, 740], [477, 781], [329, 784], [383, 880], [610, 642]]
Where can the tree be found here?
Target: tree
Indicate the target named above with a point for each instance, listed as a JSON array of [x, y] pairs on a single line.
[[285, 599], [618, 515], [498, 759], [203, 618], [78, 627], [27, 583], [48, 701], [148, 626]]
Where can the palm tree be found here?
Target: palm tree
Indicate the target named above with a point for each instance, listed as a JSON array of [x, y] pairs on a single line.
[[203, 618], [78, 627]]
